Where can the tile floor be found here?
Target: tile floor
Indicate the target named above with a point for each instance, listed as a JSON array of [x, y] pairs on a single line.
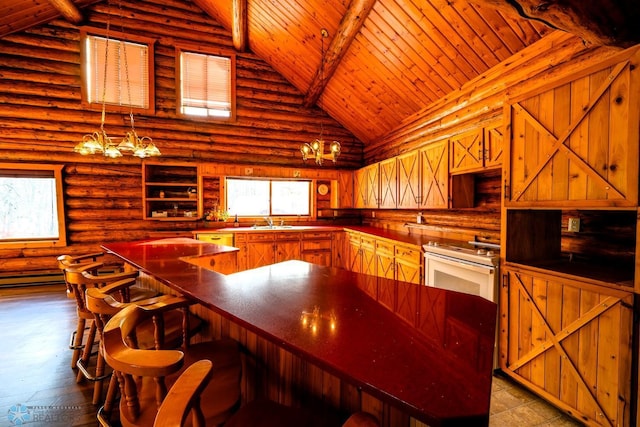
[[513, 406]]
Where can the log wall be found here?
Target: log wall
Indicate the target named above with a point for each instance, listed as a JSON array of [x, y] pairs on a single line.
[[42, 119]]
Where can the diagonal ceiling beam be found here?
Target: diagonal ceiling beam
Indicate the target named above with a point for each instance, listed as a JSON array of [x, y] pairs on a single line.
[[68, 10], [602, 22], [349, 27], [239, 23]]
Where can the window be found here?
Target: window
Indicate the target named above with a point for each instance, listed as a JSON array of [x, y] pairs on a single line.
[[207, 85], [32, 208], [124, 80], [256, 197]]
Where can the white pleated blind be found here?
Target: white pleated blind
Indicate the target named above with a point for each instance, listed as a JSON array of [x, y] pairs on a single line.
[[205, 85], [127, 72]]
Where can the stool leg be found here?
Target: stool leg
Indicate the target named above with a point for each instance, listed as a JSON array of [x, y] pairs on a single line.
[[97, 386], [77, 342], [86, 353]]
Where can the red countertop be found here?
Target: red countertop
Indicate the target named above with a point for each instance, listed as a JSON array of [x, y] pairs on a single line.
[[424, 350]]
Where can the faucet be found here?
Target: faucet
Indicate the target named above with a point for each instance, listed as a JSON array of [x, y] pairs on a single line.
[[269, 221]]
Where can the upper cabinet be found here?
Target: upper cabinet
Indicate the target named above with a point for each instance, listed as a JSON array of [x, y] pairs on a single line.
[[576, 144], [434, 175], [342, 191], [171, 191], [367, 186], [476, 150], [388, 184], [409, 180]]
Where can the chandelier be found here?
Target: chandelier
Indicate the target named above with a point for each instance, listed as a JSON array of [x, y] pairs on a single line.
[[315, 148], [99, 142]]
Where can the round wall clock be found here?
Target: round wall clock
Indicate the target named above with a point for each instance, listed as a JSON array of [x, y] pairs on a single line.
[[323, 189]]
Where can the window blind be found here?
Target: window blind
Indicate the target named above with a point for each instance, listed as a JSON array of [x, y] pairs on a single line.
[[205, 84], [133, 67]]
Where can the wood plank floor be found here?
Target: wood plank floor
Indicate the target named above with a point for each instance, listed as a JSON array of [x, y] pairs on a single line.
[[35, 371], [35, 361]]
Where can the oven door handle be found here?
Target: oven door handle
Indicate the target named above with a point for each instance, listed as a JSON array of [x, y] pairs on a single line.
[[480, 268]]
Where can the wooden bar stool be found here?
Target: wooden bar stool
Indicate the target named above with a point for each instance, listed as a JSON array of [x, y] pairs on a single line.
[[78, 263], [144, 375], [184, 397], [102, 304], [79, 279]]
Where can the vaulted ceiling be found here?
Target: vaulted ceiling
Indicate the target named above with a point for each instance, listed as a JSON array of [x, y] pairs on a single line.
[[384, 60]]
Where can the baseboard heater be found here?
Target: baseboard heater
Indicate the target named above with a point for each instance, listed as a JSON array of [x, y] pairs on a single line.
[[32, 279]]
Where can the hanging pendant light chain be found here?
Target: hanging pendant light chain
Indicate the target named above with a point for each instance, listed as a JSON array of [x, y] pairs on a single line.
[[106, 67]]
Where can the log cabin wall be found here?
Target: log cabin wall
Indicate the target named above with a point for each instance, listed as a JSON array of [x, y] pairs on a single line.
[[42, 119]]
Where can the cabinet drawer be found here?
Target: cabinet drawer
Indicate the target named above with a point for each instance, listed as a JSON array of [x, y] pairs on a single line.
[[368, 241], [240, 237], [314, 245], [409, 254], [260, 237], [384, 247], [316, 235], [287, 236]]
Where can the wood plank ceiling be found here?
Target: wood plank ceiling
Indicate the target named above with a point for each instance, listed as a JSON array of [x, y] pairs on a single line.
[[385, 60]]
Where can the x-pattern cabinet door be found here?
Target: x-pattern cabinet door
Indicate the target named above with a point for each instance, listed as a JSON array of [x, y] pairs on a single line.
[[434, 171], [389, 184], [577, 144], [409, 180], [571, 342]]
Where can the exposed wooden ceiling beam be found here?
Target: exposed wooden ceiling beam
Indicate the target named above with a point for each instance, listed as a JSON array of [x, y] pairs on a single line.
[[239, 30], [601, 22], [349, 27], [68, 10]]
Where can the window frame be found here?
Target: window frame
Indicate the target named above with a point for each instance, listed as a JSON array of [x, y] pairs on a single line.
[[61, 241], [192, 48], [115, 35], [311, 200]]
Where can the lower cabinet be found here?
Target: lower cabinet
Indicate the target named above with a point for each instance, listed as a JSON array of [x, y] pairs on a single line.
[[258, 249], [570, 342], [384, 258]]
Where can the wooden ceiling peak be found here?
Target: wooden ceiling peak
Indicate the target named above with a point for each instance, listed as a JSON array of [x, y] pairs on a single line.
[[603, 22], [349, 27]]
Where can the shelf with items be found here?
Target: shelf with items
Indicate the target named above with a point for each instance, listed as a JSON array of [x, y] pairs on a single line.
[[602, 251], [171, 192]]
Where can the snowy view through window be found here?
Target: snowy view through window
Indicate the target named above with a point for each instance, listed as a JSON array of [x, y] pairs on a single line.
[[28, 210], [252, 197]]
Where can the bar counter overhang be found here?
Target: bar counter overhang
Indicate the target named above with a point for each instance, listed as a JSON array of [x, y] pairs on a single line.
[[425, 351]]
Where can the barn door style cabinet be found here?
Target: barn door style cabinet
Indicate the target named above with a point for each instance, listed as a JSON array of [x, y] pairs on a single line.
[[476, 150], [567, 309], [434, 175]]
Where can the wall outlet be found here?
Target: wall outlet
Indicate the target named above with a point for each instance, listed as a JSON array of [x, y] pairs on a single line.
[[373, 214], [573, 224]]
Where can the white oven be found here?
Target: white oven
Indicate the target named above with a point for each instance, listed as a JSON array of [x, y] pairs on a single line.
[[470, 268]]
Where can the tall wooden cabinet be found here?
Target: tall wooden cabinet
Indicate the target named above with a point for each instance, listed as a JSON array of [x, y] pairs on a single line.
[[577, 144], [567, 299]]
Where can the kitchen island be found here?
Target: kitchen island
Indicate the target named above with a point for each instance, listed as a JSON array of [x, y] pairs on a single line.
[[357, 342]]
